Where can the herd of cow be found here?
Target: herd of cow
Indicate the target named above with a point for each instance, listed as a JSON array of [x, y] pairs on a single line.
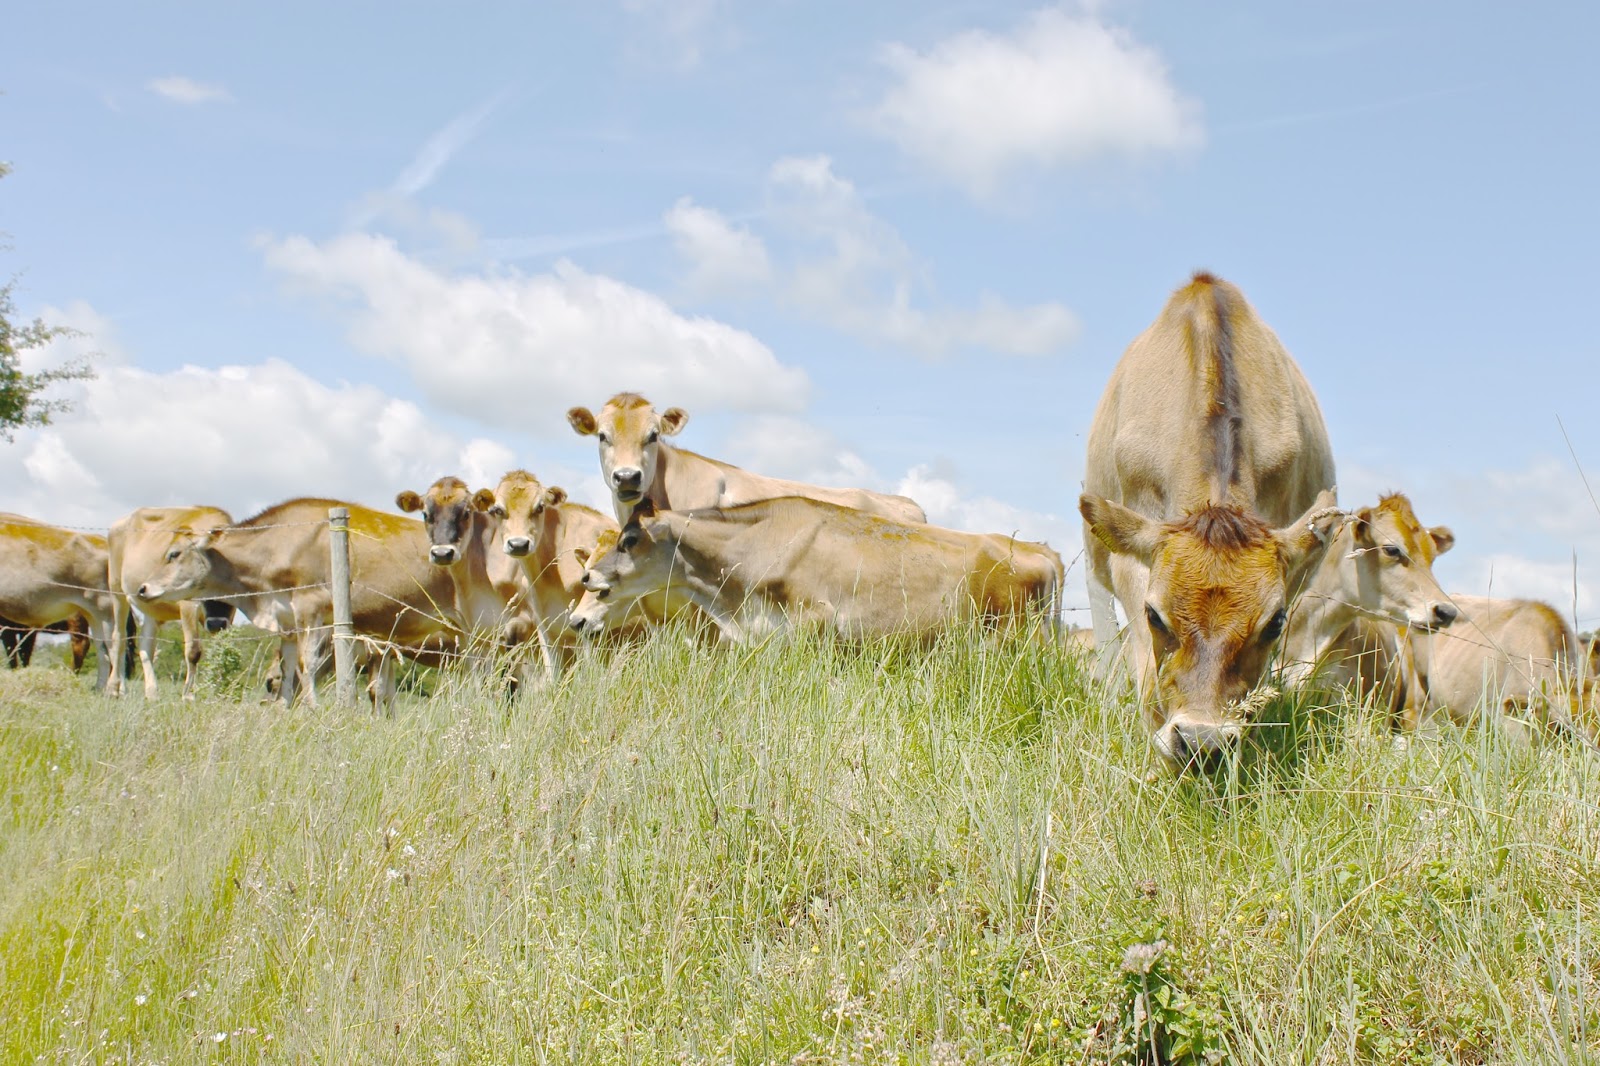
[[1209, 515]]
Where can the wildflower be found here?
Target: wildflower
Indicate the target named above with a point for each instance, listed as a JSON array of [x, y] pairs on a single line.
[[140, 1000], [408, 850], [1141, 958], [218, 1037]]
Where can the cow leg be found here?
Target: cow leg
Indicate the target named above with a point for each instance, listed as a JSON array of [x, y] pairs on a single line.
[[289, 662], [121, 612], [147, 628], [381, 687], [314, 647], [25, 643], [105, 630], [192, 618]]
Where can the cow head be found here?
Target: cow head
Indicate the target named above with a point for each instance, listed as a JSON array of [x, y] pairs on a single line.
[[1217, 601], [192, 568], [1390, 562], [522, 503], [629, 431], [447, 509], [624, 568]]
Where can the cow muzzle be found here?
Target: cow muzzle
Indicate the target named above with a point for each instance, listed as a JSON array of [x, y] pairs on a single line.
[[517, 547], [628, 482], [1432, 617], [148, 591], [442, 554], [1198, 743]]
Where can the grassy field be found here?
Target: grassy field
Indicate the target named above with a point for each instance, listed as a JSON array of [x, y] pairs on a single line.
[[801, 853]]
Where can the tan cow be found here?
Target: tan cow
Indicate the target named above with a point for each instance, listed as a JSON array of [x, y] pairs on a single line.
[[762, 567], [491, 590], [554, 540], [17, 641], [274, 567], [1504, 658], [638, 465], [1207, 499], [50, 575], [138, 545], [1378, 568]]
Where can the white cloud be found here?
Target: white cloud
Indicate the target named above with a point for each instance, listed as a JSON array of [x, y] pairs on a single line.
[[1063, 88], [420, 173], [792, 448], [240, 437], [516, 351], [188, 91], [849, 268], [722, 256]]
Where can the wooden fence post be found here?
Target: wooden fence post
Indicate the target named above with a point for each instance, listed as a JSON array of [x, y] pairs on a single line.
[[344, 665]]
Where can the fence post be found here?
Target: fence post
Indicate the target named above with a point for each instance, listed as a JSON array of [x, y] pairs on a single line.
[[344, 666]]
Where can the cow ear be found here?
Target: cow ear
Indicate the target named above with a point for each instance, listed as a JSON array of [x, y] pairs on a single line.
[[483, 500], [554, 496], [408, 501], [582, 420], [1443, 539], [1361, 527], [582, 555], [673, 419], [1124, 531], [1305, 540]]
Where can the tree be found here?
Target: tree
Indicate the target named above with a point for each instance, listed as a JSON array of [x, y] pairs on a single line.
[[22, 399]]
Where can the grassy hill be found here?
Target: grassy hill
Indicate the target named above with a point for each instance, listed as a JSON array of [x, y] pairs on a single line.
[[801, 853]]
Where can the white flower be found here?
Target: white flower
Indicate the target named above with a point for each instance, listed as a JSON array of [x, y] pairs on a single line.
[[219, 1037]]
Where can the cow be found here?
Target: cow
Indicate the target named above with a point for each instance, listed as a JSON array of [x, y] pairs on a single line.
[[762, 567], [1378, 568], [138, 544], [553, 539], [50, 575], [490, 601], [638, 465], [1504, 658], [1208, 497], [274, 566]]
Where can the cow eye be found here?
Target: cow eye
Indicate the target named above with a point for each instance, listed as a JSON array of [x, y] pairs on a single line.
[[1153, 617], [602, 592], [172, 556], [653, 437], [1392, 551], [1274, 627], [605, 438]]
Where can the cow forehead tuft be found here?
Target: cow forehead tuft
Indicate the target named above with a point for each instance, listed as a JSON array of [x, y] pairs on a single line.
[[1222, 528], [627, 401], [447, 490]]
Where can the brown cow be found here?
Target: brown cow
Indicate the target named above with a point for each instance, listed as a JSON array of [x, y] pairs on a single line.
[[274, 567], [1378, 567], [554, 540], [17, 641], [764, 566], [491, 590], [1207, 499], [638, 465], [1506, 658], [50, 575], [139, 543]]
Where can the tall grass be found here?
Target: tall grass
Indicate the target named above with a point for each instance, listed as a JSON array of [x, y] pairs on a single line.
[[798, 853]]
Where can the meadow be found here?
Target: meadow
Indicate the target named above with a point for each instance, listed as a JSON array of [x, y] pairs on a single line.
[[796, 853]]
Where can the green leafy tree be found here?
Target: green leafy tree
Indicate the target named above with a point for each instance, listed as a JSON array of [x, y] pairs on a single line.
[[22, 395]]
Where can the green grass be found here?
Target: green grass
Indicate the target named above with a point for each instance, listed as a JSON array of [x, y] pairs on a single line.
[[801, 853]]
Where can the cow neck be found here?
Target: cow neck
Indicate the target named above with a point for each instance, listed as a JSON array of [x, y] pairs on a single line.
[[1325, 606], [658, 491], [700, 556]]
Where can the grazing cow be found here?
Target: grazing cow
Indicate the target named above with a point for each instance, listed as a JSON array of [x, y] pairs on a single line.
[[638, 465], [1506, 658], [490, 599], [1207, 499], [1378, 568], [275, 568], [50, 575], [139, 543], [763, 566]]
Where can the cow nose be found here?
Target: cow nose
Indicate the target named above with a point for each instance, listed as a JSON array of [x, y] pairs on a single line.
[[144, 592], [442, 554], [627, 477], [1201, 743], [576, 623], [1444, 614], [517, 545]]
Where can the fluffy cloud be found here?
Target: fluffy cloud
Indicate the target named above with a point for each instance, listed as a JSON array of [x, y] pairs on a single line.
[[188, 91], [1062, 88], [240, 437], [516, 351], [722, 256], [849, 268]]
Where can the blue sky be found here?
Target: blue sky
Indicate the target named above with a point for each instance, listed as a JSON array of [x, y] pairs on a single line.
[[346, 250]]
